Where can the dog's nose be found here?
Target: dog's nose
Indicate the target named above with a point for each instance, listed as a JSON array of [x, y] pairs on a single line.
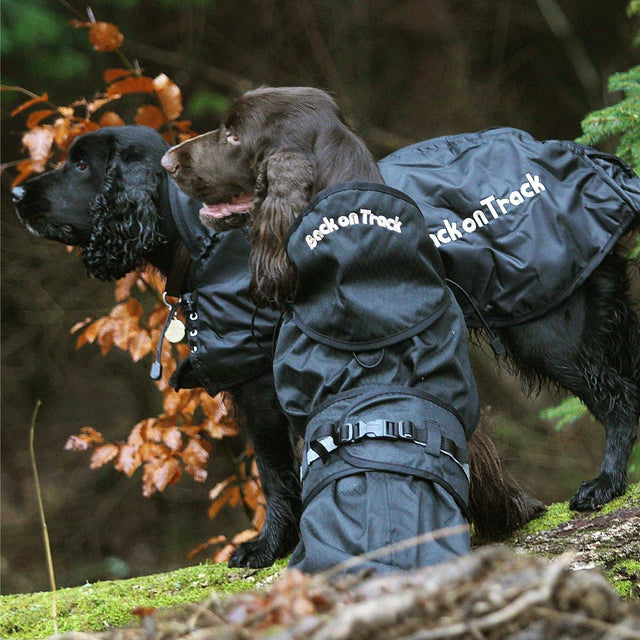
[[170, 164], [17, 193]]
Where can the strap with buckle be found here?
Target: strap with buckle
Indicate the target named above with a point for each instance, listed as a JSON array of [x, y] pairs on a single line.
[[349, 432]]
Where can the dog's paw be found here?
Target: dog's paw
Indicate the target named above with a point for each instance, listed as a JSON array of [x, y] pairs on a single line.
[[263, 551], [594, 493], [254, 554]]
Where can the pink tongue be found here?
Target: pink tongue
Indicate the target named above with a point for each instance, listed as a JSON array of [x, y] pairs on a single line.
[[240, 203]]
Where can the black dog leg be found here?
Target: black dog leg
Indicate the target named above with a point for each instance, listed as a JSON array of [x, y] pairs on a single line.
[[611, 361], [590, 345], [259, 413]]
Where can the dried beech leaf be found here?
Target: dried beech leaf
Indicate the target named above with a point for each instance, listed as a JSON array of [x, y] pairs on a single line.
[[61, 131], [25, 169], [224, 554], [25, 105], [165, 473], [87, 438], [38, 141], [205, 545], [111, 119], [124, 285], [221, 487], [169, 95], [244, 536], [104, 454], [111, 75], [172, 438], [36, 117], [134, 84], [78, 325], [105, 36], [128, 459], [149, 115], [140, 345]]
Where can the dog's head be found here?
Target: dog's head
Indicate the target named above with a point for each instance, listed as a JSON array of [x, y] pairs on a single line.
[[276, 148], [104, 199]]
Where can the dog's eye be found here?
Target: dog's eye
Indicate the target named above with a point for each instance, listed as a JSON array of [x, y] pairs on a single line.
[[81, 165], [232, 138]]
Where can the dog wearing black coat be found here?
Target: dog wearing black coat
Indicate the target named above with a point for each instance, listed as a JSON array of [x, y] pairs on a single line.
[[112, 199], [278, 147]]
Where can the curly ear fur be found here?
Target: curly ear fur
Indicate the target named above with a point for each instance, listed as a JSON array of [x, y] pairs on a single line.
[[125, 218], [283, 189]]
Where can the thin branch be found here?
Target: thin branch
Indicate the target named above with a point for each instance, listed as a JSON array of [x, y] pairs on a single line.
[[576, 52], [43, 522]]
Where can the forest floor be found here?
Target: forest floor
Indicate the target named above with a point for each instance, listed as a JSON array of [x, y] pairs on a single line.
[[565, 575]]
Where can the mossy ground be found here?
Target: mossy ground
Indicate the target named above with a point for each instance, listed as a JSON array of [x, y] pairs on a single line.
[[98, 606], [562, 529]]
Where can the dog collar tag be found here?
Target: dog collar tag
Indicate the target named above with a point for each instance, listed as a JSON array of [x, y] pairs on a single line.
[[175, 331]]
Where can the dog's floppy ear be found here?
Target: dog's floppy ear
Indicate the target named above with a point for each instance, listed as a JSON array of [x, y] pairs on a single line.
[[125, 214], [283, 188]]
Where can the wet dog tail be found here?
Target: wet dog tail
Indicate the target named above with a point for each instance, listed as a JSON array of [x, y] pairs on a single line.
[[498, 504]]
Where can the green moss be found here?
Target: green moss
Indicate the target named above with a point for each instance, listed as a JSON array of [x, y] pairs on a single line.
[[95, 607], [559, 513], [625, 578]]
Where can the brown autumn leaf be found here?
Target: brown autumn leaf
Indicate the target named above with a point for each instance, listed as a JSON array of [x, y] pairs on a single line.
[[172, 437], [134, 84], [244, 536], [111, 75], [38, 141], [25, 105], [140, 345], [87, 438], [128, 459], [169, 95], [195, 457], [124, 286], [104, 454], [224, 554], [25, 169], [159, 474], [90, 333], [78, 325], [61, 131], [104, 36], [149, 115], [111, 119], [150, 431], [36, 117], [172, 402], [218, 430], [105, 336], [205, 545], [259, 517]]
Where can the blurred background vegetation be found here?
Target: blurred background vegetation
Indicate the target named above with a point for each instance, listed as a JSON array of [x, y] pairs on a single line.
[[402, 70]]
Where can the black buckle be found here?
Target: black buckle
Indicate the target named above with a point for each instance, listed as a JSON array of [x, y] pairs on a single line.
[[379, 428]]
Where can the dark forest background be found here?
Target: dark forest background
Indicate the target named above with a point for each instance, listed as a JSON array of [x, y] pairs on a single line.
[[402, 71]]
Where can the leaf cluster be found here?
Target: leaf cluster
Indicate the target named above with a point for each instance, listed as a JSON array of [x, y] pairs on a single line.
[[52, 128], [179, 439]]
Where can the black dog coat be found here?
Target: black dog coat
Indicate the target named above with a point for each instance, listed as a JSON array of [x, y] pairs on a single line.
[[519, 223], [229, 339], [372, 365]]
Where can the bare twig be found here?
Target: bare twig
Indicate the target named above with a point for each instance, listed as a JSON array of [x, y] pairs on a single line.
[[576, 52], [45, 532]]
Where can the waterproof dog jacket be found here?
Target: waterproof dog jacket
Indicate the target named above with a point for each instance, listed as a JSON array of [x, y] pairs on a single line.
[[225, 349], [519, 223], [372, 366]]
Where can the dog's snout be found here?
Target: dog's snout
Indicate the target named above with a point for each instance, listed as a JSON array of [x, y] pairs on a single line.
[[17, 193], [170, 163]]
